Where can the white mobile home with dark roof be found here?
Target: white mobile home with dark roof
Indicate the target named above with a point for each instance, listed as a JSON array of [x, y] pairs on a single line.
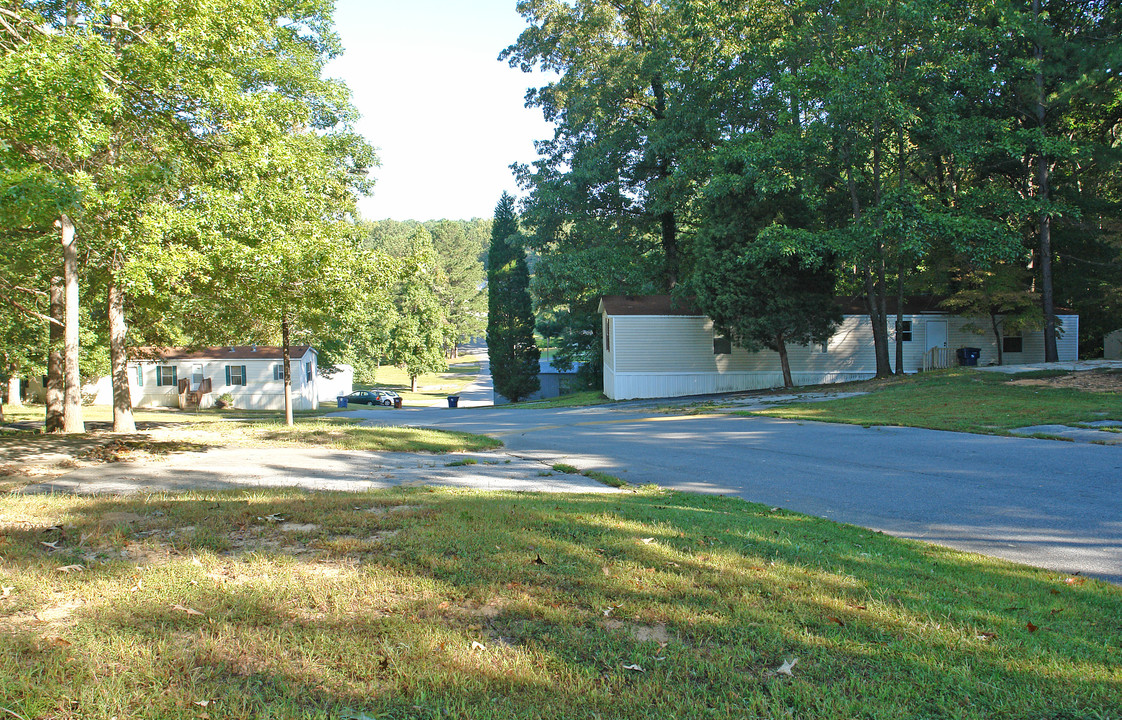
[[657, 347], [252, 374]]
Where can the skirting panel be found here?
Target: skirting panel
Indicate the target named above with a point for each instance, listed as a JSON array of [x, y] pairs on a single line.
[[631, 386]]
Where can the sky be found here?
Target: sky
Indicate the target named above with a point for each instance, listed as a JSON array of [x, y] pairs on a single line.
[[446, 116]]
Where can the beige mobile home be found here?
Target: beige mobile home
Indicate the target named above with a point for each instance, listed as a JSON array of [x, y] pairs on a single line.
[[657, 347]]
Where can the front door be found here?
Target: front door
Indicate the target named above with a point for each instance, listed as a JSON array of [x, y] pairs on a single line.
[[936, 333]]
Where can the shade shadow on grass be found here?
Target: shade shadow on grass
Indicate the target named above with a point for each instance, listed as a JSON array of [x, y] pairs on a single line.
[[282, 603]]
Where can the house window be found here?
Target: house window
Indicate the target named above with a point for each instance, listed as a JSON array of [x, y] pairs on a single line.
[[197, 375], [308, 372], [722, 345], [904, 330], [607, 334], [235, 374], [166, 375], [1013, 344], [278, 371]]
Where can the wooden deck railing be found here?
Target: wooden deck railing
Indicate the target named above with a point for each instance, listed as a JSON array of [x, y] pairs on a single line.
[[189, 398], [937, 359]]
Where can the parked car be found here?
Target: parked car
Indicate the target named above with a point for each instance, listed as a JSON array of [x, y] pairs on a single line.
[[373, 397], [363, 397], [386, 397]]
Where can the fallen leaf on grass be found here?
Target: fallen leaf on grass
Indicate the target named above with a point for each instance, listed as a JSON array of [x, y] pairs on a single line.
[[7, 590], [610, 609], [476, 645], [60, 642], [53, 545], [1075, 580], [189, 611], [272, 518], [1030, 627], [648, 541], [856, 607], [787, 667], [70, 568], [833, 619], [987, 636], [538, 560], [202, 703], [636, 668]]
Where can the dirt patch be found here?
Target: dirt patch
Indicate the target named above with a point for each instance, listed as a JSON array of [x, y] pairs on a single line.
[[642, 633], [1097, 381]]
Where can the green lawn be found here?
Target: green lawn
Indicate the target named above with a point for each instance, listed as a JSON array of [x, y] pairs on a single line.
[[576, 399], [440, 604], [431, 387], [962, 400]]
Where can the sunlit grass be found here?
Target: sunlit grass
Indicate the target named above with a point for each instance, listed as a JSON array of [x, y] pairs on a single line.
[[431, 387], [576, 399], [427, 603], [961, 400]]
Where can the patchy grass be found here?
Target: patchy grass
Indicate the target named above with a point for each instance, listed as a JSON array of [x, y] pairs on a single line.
[[576, 399], [442, 604], [962, 400], [28, 455], [340, 433], [600, 477]]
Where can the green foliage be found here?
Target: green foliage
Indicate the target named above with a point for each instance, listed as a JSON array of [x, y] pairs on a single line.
[[901, 129], [419, 326], [462, 296], [511, 347]]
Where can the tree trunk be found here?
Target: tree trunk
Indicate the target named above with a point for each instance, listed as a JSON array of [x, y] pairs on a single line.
[[55, 371], [874, 302], [874, 295], [14, 398], [118, 360], [287, 371], [72, 385], [413, 384], [666, 219], [900, 319], [997, 336], [781, 348], [1043, 181]]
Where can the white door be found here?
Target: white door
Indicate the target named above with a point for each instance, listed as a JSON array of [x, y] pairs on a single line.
[[936, 331], [196, 376]]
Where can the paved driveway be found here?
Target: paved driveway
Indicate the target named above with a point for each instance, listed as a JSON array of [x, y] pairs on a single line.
[[1042, 502]]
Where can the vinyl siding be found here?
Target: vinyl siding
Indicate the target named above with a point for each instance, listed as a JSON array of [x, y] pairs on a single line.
[[260, 392], [670, 356]]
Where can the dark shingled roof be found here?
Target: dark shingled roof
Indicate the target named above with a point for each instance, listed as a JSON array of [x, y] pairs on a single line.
[[647, 305], [226, 352], [667, 305]]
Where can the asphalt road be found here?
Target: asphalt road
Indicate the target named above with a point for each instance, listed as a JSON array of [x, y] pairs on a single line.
[[1052, 504]]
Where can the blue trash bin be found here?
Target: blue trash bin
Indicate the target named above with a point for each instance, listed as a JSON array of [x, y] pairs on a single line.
[[453, 401], [342, 401]]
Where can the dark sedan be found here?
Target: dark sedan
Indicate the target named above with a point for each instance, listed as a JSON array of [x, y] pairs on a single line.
[[364, 397]]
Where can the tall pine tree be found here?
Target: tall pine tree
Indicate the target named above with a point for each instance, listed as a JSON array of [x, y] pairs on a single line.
[[510, 317]]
